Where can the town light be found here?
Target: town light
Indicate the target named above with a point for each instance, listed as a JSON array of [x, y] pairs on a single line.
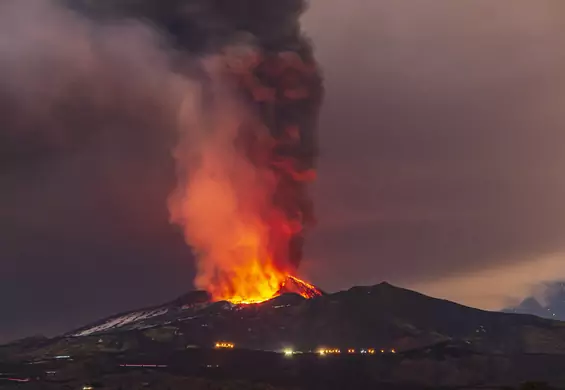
[[221, 344]]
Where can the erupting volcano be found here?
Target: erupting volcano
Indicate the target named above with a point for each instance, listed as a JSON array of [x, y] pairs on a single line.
[[246, 154]]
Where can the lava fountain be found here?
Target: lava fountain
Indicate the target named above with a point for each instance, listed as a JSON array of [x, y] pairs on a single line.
[[246, 155]]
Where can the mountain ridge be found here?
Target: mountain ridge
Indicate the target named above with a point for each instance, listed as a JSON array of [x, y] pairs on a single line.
[[422, 339], [381, 316]]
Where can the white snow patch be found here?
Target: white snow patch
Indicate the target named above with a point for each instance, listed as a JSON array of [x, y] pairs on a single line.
[[120, 321]]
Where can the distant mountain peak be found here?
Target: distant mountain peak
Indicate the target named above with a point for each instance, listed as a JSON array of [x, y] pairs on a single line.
[[531, 303], [553, 305], [385, 284]]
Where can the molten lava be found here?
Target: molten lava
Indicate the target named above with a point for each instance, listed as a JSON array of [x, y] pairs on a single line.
[[290, 284], [257, 281], [253, 276], [265, 292]]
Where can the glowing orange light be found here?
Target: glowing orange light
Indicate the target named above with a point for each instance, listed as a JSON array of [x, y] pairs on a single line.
[[236, 231], [329, 351], [226, 345]]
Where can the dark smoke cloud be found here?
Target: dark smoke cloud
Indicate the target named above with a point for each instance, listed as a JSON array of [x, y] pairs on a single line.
[[206, 26]]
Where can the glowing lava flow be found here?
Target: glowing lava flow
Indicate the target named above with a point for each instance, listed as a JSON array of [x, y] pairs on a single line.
[[258, 283], [290, 284]]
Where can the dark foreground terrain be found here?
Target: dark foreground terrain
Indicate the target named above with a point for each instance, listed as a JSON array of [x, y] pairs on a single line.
[[197, 369]]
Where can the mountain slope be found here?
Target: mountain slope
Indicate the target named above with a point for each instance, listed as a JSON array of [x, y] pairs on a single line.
[[437, 342], [381, 316]]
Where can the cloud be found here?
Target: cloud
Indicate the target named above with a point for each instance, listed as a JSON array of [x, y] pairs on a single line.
[[442, 141], [506, 284]]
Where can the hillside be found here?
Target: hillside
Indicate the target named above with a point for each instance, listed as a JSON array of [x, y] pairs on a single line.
[[435, 342], [381, 317]]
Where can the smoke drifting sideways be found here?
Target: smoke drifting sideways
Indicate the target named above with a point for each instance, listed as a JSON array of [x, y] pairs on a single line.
[[234, 81], [68, 81]]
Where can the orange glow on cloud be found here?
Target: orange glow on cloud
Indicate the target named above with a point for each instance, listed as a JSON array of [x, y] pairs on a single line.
[[497, 287]]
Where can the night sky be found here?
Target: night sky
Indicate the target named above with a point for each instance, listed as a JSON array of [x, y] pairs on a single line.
[[442, 150]]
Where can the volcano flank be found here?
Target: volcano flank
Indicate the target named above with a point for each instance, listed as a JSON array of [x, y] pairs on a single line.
[[405, 330], [381, 316]]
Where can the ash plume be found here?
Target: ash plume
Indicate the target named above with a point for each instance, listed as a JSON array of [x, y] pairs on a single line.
[[273, 74], [242, 197], [235, 80]]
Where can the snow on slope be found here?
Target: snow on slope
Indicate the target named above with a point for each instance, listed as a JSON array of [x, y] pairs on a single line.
[[181, 309], [121, 321]]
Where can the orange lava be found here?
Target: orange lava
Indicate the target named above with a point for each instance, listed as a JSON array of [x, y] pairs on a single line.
[[256, 282], [306, 290]]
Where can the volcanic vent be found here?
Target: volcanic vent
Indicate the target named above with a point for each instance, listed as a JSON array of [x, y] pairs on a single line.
[[290, 285]]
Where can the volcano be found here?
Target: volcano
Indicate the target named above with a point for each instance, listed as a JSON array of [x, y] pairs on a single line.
[[301, 315], [191, 303]]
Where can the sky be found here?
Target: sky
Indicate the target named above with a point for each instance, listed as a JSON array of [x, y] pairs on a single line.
[[441, 152]]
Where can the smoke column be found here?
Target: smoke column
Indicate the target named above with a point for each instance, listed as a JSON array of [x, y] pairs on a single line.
[[248, 145], [243, 171], [247, 140]]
